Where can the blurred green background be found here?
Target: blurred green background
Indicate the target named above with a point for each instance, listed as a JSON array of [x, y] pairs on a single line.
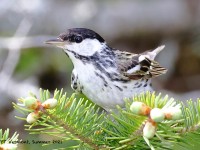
[[26, 63]]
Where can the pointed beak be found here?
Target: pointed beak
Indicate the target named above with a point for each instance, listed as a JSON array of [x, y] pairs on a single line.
[[57, 42]]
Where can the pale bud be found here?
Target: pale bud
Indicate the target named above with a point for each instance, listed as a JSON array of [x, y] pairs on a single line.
[[50, 103], [32, 117], [31, 102], [8, 146], [149, 129], [173, 113], [157, 115], [140, 108]]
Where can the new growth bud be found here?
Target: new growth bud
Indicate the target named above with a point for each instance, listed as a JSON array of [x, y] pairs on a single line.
[[140, 108], [32, 117], [157, 115], [149, 129], [173, 113], [50, 103], [31, 102], [8, 146]]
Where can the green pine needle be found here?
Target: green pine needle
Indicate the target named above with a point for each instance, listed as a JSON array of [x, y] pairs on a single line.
[[4, 137], [80, 121]]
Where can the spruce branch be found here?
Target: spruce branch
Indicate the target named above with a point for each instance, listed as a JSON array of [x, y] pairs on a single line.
[[73, 119], [78, 120], [74, 132]]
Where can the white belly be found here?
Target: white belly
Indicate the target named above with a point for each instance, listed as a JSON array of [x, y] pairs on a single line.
[[107, 96]]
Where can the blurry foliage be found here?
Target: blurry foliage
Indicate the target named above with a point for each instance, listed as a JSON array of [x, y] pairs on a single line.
[[52, 68], [34, 59], [30, 60]]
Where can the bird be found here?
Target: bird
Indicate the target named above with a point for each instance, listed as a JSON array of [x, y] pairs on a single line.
[[106, 75]]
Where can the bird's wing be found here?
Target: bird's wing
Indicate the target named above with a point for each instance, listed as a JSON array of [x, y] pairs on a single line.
[[138, 66]]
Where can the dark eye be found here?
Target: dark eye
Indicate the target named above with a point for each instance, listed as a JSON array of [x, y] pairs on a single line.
[[78, 39]]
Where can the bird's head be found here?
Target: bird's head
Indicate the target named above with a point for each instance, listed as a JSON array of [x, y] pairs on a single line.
[[79, 41]]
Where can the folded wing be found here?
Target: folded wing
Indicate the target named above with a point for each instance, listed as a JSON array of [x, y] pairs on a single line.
[[138, 66]]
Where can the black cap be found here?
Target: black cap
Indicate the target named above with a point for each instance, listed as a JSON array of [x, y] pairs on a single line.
[[72, 34]]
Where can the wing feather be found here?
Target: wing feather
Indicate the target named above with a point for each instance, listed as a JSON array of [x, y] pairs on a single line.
[[138, 66]]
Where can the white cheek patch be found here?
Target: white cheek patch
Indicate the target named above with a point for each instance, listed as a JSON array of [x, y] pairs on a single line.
[[86, 48]]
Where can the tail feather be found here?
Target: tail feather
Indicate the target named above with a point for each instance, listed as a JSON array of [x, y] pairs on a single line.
[[154, 68], [152, 54], [158, 49], [147, 67]]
